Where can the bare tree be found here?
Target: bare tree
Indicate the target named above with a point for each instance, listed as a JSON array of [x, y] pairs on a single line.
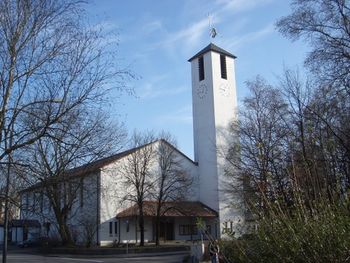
[[50, 63], [325, 24], [80, 139], [137, 174], [90, 228], [261, 146], [172, 182]]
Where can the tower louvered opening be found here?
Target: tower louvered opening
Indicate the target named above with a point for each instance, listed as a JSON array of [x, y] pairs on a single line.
[[201, 68], [223, 66]]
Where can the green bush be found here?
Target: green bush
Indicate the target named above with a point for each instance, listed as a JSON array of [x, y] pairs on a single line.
[[317, 235]]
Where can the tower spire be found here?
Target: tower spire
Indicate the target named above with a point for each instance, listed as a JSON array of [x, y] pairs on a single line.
[[212, 30]]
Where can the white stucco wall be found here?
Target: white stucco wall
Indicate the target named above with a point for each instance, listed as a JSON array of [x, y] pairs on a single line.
[[113, 190], [104, 193], [78, 214], [212, 115]]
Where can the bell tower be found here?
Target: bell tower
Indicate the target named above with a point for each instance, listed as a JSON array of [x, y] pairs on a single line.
[[214, 105]]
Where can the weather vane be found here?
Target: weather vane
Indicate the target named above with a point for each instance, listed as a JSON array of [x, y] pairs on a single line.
[[212, 30]]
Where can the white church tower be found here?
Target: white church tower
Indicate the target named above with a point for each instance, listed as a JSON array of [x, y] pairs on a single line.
[[214, 108]]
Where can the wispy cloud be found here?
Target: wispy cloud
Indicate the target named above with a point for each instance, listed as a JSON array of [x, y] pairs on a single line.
[[238, 6], [235, 42], [155, 88], [191, 36], [182, 115], [188, 37], [152, 91], [152, 26]]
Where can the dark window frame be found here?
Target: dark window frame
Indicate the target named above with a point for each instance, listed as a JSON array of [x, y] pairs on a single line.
[[115, 227], [187, 230], [81, 192], [223, 67], [208, 229], [110, 228], [201, 73]]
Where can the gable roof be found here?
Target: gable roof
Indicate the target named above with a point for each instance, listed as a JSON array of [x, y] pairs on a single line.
[[98, 164], [212, 47], [171, 209]]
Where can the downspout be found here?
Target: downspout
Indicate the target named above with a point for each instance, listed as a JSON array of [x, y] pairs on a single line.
[[136, 223], [98, 212], [118, 230]]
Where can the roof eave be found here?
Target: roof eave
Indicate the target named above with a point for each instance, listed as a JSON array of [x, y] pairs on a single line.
[[213, 48]]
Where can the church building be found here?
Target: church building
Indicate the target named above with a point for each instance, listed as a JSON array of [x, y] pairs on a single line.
[[101, 200]]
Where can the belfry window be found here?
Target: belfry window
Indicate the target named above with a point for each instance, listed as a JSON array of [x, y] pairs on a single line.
[[223, 67], [201, 68]]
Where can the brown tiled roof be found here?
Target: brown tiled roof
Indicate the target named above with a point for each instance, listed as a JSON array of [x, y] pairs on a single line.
[[24, 222], [98, 164], [171, 209], [89, 167]]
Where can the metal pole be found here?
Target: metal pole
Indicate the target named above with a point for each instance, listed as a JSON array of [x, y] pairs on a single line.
[[6, 223]]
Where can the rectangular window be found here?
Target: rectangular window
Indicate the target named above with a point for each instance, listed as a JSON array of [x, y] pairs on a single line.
[[34, 201], [81, 192], [186, 230], [41, 201], [27, 202], [115, 227], [208, 229], [223, 67], [201, 68], [110, 228]]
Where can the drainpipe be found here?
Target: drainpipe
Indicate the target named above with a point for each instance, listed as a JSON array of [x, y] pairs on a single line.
[[98, 212], [118, 230]]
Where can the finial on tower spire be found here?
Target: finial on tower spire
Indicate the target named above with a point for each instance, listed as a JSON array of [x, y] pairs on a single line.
[[212, 30]]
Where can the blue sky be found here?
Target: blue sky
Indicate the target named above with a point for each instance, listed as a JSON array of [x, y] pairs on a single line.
[[156, 38]]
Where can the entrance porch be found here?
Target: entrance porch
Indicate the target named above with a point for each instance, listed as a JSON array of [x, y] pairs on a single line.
[[178, 221]]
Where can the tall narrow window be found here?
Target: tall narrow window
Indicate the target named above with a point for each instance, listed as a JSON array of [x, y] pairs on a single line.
[[223, 67], [115, 227], [81, 192], [41, 201], [34, 201], [27, 202], [201, 68], [110, 228]]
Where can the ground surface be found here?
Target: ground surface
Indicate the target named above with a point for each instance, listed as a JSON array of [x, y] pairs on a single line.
[[22, 257], [28, 258]]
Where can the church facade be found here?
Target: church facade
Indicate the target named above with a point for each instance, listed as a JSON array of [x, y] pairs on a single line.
[[100, 204]]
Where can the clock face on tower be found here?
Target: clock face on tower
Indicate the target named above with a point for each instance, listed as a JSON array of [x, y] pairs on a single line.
[[223, 89], [202, 91]]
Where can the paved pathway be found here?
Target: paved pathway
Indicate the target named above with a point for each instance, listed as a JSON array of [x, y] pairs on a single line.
[[156, 258]]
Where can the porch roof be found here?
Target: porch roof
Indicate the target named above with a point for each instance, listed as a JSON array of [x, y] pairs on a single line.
[[171, 209]]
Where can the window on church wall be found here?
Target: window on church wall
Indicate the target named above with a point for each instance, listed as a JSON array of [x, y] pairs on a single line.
[[41, 201], [186, 230], [208, 229], [81, 192], [34, 200], [223, 67], [201, 68], [26, 202], [110, 228]]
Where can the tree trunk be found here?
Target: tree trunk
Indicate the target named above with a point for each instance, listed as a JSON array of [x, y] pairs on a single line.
[[157, 229], [142, 226], [142, 230], [65, 233]]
